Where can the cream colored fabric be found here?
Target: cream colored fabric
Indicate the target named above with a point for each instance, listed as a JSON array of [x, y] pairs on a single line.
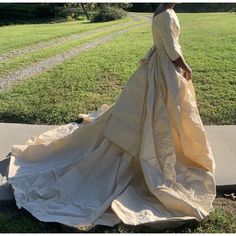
[[145, 159]]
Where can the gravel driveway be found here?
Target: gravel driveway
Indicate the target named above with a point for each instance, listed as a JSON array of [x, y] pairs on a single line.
[[8, 80]]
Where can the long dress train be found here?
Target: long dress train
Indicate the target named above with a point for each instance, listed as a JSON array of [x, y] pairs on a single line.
[[145, 159]]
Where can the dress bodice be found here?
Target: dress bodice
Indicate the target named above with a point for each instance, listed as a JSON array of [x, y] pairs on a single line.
[[165, 33]]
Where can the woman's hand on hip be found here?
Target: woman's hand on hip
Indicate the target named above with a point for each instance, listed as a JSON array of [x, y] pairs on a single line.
[[188, 73]]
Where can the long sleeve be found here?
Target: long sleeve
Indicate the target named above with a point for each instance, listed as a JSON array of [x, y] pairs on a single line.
[[169, 37]]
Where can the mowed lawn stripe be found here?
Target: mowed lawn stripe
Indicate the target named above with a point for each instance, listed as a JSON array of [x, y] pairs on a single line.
[[8, 80], [11, 65], [78, 85], [17, 36], [58, 41]]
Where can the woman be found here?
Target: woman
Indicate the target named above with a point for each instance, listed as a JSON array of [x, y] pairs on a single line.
[[145, 159]]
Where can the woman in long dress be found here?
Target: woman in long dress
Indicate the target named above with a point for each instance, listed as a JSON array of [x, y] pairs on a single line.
[[145, 159]]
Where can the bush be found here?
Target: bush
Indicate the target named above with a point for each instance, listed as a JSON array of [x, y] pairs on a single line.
[[233, 9], [108, 14], [69, 11]]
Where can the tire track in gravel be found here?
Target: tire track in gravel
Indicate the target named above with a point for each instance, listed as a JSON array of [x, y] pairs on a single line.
[[49, 63], [58, 41]]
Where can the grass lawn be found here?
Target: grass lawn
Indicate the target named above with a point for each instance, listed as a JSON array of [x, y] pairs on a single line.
[[97, 76], [219, 221], [77, 86], [17, 36], [30, 58], [209, 45]]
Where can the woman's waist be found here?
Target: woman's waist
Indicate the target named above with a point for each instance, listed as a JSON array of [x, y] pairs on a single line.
[[156, 49]]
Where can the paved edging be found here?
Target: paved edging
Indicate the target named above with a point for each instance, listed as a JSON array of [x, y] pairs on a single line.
[[221, 138]]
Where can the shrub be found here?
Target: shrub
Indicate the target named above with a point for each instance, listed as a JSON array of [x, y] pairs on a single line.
[[69, 11], [233, 9], [108, 13]]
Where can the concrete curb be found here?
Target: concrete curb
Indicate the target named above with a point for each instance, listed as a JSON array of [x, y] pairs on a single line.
[[221, 138]]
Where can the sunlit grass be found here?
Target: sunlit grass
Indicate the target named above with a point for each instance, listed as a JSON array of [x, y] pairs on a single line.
[[97, 76], [16, 63], [17, 36]]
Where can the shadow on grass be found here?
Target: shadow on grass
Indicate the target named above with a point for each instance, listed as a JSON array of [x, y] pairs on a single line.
[[6, 22], [13, 220]]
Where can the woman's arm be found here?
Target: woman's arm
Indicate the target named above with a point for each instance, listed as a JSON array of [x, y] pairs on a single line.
[[179, 62], [171, 44]]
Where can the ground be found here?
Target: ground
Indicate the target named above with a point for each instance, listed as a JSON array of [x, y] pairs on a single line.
[[227, 204], [223, 220]]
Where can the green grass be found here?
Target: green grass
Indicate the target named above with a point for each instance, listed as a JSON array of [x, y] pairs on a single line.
[[25, 223], [78, 85], [209, 45], [17, 36], [217, 222], [97, 76], [28, 59]]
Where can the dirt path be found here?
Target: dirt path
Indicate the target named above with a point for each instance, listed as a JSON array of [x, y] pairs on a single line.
[[58, 41], [226, 204], [37, 68], [8, 80]]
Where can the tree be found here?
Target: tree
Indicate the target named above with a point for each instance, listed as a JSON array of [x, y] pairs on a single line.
[[85, 12]]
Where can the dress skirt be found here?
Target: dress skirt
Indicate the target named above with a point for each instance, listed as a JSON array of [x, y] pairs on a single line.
[[144, 159]]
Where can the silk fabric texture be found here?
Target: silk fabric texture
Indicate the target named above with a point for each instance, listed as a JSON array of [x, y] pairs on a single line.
[[144, 159]]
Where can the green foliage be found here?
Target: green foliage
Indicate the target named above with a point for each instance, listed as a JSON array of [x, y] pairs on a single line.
[[185, 7], [21, 13], [204, 7], [70, 11], [16, 13], [124, 6], [143, 7], [233, 9], [108, 13]]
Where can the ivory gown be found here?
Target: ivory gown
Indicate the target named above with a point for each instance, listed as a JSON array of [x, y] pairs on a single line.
[[145, 159]]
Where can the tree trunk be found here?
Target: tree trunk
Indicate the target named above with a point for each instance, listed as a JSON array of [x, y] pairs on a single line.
[[86, 13]]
